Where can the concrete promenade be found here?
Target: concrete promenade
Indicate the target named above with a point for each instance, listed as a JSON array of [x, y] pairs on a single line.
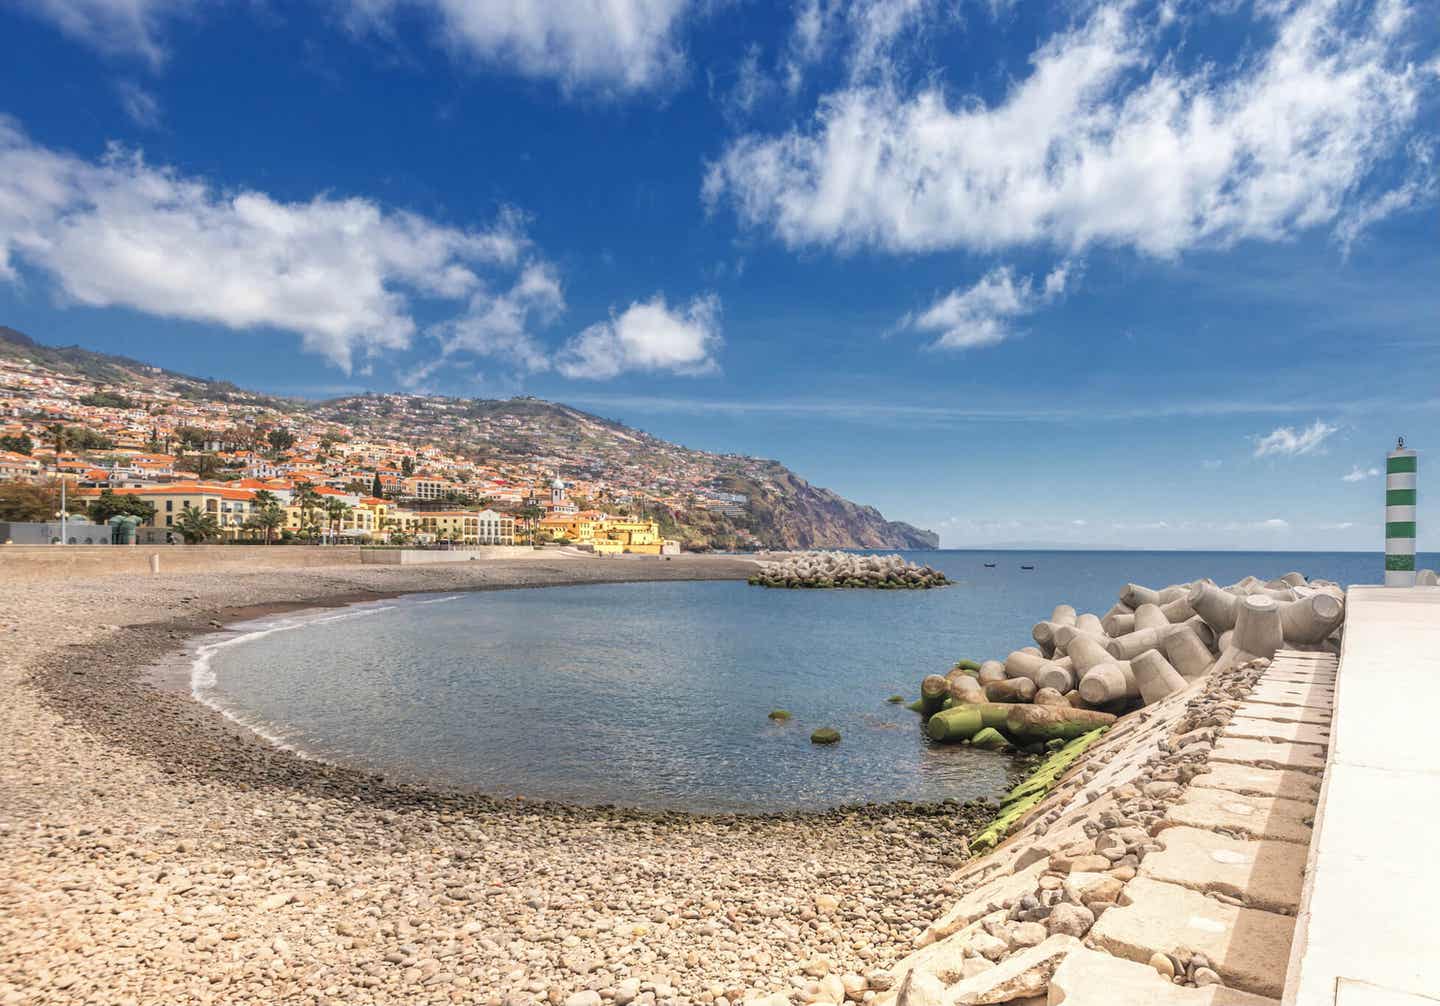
[[1368, 932]]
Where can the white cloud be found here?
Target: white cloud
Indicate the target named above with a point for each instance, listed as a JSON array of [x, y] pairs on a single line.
[[500, 325], [130, 27], [868, 32], [140, 105], [984, 314], [647, 336], [619, 46], [1358, 474], [1286, 442], [341, 272], [1106, 141]]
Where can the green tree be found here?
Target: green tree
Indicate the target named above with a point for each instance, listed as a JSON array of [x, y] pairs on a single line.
[[107, 400], [110, 505], [195, 525], [19, 444], [280, 440], [192, 437], [530, 515], [308, 500], [376, 489], [268, 517], [207, 466], [335, 511], [29, 501], [407, 466]]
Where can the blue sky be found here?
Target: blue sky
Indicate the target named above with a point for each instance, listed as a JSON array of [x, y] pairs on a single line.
[[1160, 274]]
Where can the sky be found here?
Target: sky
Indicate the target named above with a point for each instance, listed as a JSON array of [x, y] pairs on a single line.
[[1101, 273]]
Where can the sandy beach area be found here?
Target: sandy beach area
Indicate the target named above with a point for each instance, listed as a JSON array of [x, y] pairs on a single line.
[[150, 852]]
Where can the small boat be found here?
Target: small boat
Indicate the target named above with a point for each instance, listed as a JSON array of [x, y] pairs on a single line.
[[989, 565], [1027, 567]]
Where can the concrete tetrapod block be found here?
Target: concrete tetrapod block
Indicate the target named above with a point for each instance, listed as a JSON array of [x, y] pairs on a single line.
[[1063, 614], [1066, 635], [1247, 947], [1217, 607], [1062, 679], [1089, 624], [1246, 779], [1149, 616], [1024, 974], [1092, 978], [1263, 874], [1207, 635], [1253, 816], [1257, 626], [1275, 730], [1179, 611], [1132, 595], [1267, 755], [1108, 683], [990, 672], [1025, 665], [1311, 619], [1187, 653], [1155, 677], [1086, 652], [1118, 622], [1130, 646], [1282, 714]]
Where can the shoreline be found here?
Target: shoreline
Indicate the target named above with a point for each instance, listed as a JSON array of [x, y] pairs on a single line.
[[99, 751]]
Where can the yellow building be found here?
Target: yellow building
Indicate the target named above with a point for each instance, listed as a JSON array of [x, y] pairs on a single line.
[[609, 535], [231, 508]]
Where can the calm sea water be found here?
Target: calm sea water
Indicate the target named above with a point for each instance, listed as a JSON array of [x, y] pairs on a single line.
[[657, 694]]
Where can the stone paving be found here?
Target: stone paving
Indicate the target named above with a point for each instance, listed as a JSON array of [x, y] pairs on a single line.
[[1177, 847]]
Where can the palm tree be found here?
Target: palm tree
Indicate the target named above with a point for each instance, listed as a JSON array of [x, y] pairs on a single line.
[[195, 525], [336, 509], [531, 515], [268, 515], [308, 500]]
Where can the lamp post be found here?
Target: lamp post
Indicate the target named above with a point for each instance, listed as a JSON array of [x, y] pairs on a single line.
[[64, 511]]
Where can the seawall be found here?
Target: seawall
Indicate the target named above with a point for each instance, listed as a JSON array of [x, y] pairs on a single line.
[[38, 562]]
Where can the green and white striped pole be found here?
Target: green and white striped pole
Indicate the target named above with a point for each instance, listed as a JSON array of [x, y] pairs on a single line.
[[1400, 471]]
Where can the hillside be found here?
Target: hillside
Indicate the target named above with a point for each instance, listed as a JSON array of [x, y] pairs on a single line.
[[694, 494]]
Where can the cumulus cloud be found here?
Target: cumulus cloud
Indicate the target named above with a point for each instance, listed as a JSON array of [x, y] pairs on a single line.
[[1107, 141], [984, 314], [647, 336], [129, 27], [501, 325], [343, 273], [867, 30], [1358, 474], [1285, 441], [614, 45]]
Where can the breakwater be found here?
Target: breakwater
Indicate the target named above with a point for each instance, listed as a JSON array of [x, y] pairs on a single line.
[[832, 570], [1158, 858]]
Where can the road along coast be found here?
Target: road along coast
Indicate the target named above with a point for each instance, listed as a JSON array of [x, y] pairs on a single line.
[[152, 853]]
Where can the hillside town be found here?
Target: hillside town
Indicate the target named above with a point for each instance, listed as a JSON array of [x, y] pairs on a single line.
[[197, 465]]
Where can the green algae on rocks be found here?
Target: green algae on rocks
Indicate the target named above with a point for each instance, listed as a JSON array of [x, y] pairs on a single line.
[[1020, 800]]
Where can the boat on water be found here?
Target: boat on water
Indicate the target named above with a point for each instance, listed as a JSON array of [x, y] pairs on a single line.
[[1027, 567], [989, 565]]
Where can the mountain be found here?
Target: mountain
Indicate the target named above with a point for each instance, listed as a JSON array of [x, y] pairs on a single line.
[[707, 500]]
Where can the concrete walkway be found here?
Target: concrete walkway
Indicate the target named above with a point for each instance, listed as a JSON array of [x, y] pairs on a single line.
[[1368, 932]]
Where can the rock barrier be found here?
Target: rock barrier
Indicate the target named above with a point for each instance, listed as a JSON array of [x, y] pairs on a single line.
[[832, 570], [1085, 669]]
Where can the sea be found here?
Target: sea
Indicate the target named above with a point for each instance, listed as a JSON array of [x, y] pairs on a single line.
[[658, 695]]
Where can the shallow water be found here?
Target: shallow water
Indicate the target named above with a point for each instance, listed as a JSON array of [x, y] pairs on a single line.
[[657, 694]]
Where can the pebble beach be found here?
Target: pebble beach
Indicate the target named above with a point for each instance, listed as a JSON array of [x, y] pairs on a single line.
[[152, 852]]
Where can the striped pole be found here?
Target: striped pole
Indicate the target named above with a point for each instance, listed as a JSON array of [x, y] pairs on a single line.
[[1400, 470]]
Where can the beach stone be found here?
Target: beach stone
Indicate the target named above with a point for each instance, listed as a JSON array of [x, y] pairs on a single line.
[[587, 998], [1070, 920], [1163, 965], [1024, 974], [1026, 934]]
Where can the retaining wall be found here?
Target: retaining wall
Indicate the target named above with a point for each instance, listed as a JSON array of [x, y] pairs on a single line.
[[40, 562]]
